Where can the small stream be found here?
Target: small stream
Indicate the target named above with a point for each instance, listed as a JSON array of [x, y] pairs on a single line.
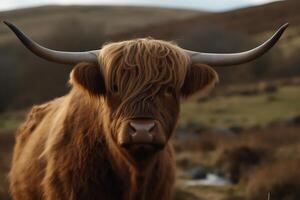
[[210, 180]]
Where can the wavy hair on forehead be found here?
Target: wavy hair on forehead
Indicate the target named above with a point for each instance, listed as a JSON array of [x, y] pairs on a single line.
[[136, 65]]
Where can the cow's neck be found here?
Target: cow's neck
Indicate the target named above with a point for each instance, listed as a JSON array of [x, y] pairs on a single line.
[[134, 180]]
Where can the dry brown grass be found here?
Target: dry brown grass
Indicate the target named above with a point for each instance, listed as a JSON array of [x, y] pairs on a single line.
[[236, 163], [272, 137], [280, 179], [239, 156]]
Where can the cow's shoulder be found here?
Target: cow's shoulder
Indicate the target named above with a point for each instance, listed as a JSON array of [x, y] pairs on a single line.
[[34, 117]]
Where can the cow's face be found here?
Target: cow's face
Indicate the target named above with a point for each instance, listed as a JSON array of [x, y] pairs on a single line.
[[140, 85], [142, 124]]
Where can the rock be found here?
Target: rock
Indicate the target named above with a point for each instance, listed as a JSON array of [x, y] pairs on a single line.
[[294, 120], [185, 135], [236, 129], [198, 172], [193, 127], [190, 130], [222, 131]]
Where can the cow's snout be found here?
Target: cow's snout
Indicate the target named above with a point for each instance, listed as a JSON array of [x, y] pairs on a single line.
[[142, 133]]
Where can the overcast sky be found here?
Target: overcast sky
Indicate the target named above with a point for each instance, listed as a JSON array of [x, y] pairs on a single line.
[[210, 5]]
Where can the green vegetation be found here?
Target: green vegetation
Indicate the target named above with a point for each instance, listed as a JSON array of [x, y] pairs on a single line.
[[249, 111]]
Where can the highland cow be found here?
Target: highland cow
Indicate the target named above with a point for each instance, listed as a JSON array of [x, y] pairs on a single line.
[[109, 138]]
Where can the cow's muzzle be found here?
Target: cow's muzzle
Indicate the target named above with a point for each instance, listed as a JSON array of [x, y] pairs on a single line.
[[142, 134]]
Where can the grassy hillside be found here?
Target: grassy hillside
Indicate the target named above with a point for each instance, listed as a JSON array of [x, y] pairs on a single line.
[[245, 111], [106, 19], [241, 30], [258, 21]]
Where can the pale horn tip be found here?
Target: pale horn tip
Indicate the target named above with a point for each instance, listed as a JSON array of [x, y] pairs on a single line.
[[284, 26]]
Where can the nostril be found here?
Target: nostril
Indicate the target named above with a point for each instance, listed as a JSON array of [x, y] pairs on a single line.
[[151, 127], [137, 127], [131, 125]]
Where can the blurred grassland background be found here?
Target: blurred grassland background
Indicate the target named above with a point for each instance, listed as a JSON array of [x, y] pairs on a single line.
[[246, 132]]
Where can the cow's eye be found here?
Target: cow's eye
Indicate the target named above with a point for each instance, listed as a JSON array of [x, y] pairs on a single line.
[[115, 88], [169, 91]]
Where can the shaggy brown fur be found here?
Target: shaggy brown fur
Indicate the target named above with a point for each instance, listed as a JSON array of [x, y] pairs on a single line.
[[68, 149]]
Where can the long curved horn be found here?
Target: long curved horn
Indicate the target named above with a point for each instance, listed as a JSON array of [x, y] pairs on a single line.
[[236, 58], [62, 57]]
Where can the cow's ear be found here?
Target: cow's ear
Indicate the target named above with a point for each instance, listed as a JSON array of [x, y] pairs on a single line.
[[200, 79], [88, 77]]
